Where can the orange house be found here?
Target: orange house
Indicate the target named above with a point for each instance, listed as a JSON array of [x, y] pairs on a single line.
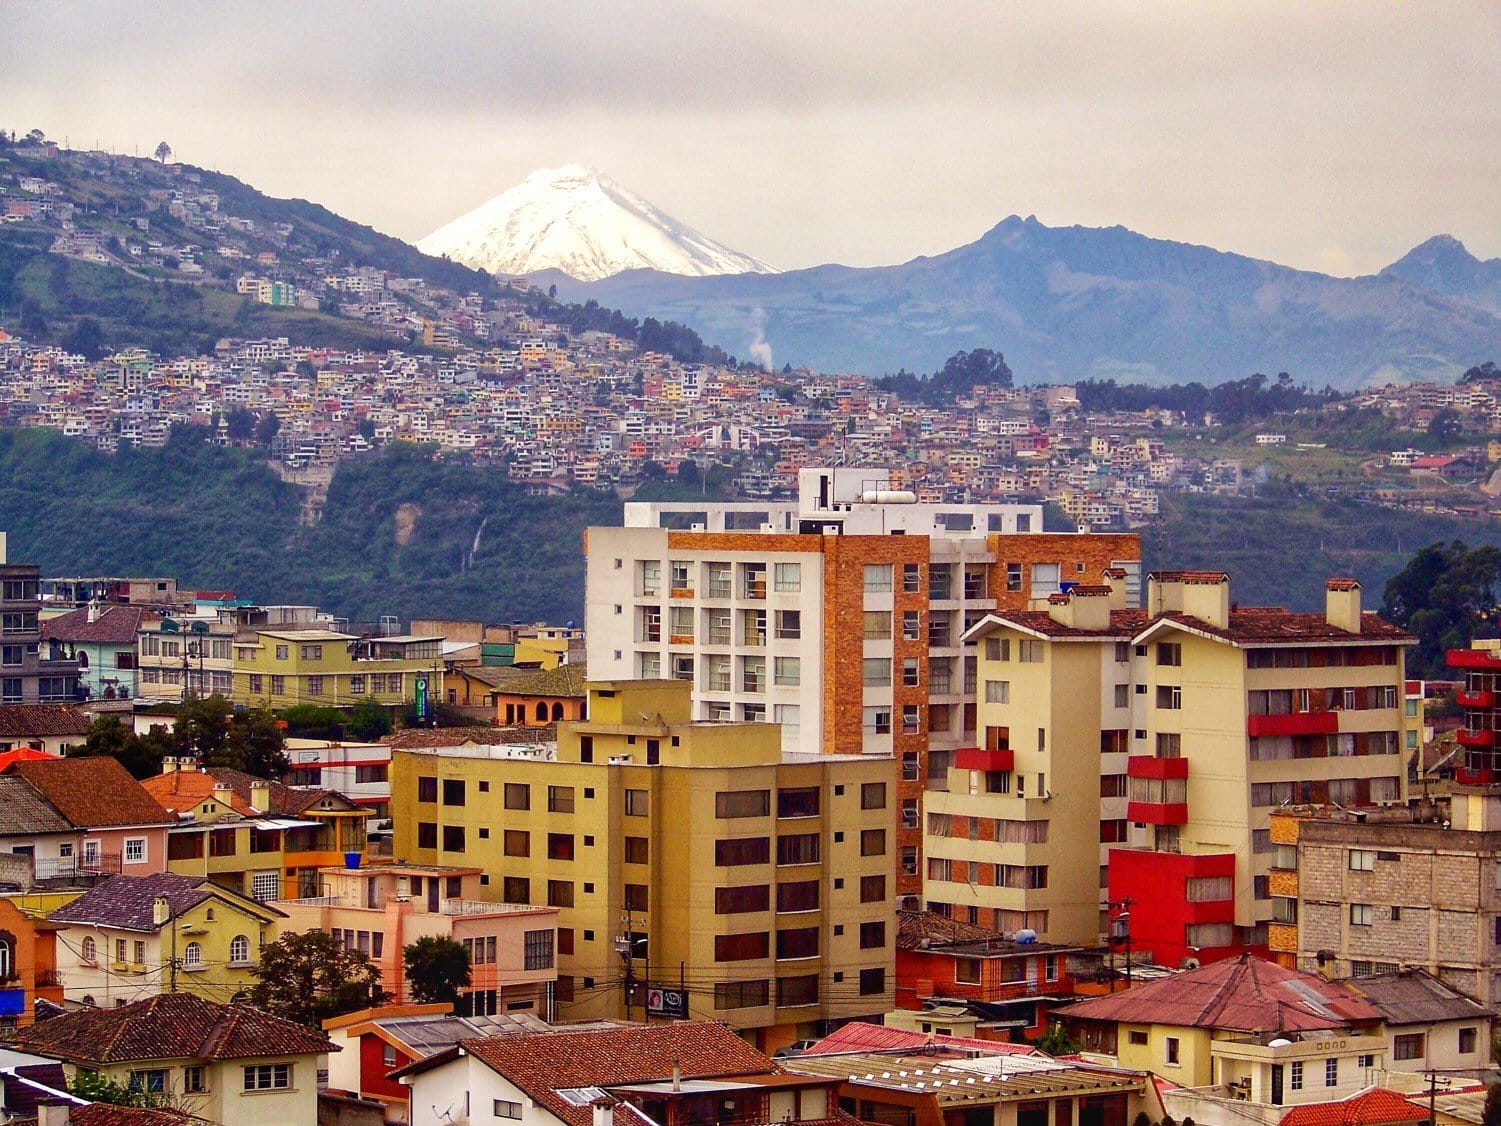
[[28, 965], [525, 697]]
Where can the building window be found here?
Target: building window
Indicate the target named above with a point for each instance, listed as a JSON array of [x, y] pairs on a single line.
[[560, 846], [1467, 1041], [135, 850], [872, 936], [151, 1080], [876, 625], [560, 799], [873, 842], [873, 888], [788, 578], [800, 990], [427, 834], [1361, 914], [1169, 696], [89, 951], [739, 900], [265, 885], [872, 981], [538, 950], [741, 994], [787, 671], [453, 838], [1362, 860], [876, 720], [1295, 1075], [427, 789], [637, 803], [560, 893], [192, 1080], [1169, 653], [192, 956], [742, 803], [1137, 1038], [877, 578], [1170, 1048], [798, 848], [1408, 1046], [239, 951], [453, 791], [873, 795], [505, 1108], [516, 889], [268, 1077], [998, 692], [1331, 1072]]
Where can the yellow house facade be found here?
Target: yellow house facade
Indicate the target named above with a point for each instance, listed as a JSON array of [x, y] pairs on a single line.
[[132, 937], [284, 668], [691, 857]]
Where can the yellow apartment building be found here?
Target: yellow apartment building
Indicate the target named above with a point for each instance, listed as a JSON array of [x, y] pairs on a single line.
[[697, 869], [283, 668], [1191, 721]]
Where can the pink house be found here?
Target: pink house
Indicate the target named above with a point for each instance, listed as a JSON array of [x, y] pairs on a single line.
[[119, 826]]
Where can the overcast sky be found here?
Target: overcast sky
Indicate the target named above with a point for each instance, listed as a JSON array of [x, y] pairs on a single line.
[[1332, 136]]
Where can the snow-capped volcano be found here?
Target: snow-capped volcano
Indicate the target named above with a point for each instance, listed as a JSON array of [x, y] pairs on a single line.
[[583, 223]]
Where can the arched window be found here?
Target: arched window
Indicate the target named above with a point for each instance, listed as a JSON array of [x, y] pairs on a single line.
[[557, 712], [7, 959], [89, 950], [541, 712], [192, 955], [239, 949]]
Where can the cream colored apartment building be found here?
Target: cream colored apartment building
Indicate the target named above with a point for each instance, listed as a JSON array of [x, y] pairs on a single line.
[[1144, 752]]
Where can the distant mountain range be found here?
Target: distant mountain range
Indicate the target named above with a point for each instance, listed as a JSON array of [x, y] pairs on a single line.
[[583, 223], [1064, 303]]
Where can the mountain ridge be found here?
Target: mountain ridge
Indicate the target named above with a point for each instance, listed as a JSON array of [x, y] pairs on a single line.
[[1065, 303], [1444, 265], [579, 221]]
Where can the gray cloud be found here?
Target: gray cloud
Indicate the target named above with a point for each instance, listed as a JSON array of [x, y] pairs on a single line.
[[1330, 136]]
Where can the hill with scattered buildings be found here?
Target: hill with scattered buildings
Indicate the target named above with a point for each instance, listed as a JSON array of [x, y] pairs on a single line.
[[404, 533]]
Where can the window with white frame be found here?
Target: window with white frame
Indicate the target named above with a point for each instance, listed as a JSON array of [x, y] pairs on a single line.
[[788, 578], [239, 950], [135, 850], [268, 1077], [265, 885]]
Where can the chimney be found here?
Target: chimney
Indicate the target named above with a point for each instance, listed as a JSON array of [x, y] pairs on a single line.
[[161, 911], [260, 796], [1164, 593], [1342, 604], [1091, 606], [604, 1111], [53, 1112], [1115, 578], [1206, 596], [93, 610], [677, 1076], [169, 764]]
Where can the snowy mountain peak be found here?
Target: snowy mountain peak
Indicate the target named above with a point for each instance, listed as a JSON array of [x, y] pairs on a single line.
[[579, 221]]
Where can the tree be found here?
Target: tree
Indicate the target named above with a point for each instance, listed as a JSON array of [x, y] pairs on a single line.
[[310, 976], [87, 339], [266, 428], [163, 152], [257, 744], [369, 719], [1447, 425], [202, 728], [240, 424], [1446, 596], [436, 969], [140, 755], [1491, 1115], [1056, 1041]]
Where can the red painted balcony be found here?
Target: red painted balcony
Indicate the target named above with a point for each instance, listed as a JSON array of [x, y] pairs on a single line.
[[1484, 698], [978, 758], [1472, 659], [1474, 776], [1295, 723], [1157, 813], [1468, 737], [1149, 766]]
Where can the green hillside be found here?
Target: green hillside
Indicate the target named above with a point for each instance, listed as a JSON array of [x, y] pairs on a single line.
[[398, 536]]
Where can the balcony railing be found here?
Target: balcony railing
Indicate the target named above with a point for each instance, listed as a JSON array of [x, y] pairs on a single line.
[[1480, 699], [1471, 737]]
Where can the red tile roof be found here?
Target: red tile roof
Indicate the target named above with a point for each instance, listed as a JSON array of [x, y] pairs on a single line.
[[115, 625], [1342, 584], [169, 1026], [104, 1114], [418, 737], [1241, 994], [1273, 624], [284, 800], [542, 1063], [1376, 1107], [858, 1036], [23, 721], [1123, 624], [1191, 576], [93, 793]]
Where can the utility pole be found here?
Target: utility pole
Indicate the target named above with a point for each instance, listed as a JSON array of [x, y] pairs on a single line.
[[623, 948]]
